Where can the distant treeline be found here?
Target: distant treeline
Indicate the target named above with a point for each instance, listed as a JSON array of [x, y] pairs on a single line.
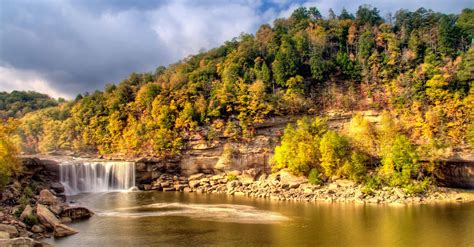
[[18, 103]]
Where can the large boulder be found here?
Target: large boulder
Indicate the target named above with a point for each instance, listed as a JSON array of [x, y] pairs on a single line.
[[10, 229], [28, 211], [57, 187], [75, 213], [288, 178], [61, 230], [45, 216], [47, 198]]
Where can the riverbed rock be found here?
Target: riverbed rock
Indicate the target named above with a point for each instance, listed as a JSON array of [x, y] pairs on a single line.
[[46, 217], [61, 230], [27, 212], [37, 229], [180, 187], [12, 231], [76, 213], [194, 183], [22, 241], [288, 178], [4, 235], [197, 176], [47, 198]]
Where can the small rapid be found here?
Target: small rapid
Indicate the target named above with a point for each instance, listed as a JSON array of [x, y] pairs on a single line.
[[208, 212]]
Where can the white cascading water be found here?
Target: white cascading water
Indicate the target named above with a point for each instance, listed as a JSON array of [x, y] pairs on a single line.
[[100, 176]]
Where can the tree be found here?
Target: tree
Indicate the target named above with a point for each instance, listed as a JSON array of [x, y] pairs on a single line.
[[335, 151], [466, 23], [9, 165], [400, 164], [368, 15], [345, 15], [299, 149]]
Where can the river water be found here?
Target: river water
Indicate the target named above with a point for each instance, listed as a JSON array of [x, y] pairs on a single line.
[[190, 219]]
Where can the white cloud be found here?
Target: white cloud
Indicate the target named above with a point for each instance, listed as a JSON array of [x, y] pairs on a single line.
[[15, 79]]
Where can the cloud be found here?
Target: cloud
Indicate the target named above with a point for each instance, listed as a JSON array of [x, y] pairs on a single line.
[[14, 79], [69, 47]]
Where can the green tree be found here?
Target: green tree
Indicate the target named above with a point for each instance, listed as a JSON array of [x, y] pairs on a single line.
[[299, 148]]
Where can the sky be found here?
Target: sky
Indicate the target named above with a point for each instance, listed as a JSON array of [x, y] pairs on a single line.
[[67, 47]]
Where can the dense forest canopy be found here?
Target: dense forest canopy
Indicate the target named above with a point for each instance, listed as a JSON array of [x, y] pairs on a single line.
[[18, 103], [419, 66]]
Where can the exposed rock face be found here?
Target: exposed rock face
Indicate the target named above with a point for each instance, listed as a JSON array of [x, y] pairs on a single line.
[[457, 174], [46, 217], [61, 230], [9, 229], [75, 213]]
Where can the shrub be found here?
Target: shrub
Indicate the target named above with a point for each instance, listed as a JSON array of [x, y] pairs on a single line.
[[313, 177], [231, 177], [28, 191], [19, 210], [372, 183], [356, 169], [417, 187], [31, 220]]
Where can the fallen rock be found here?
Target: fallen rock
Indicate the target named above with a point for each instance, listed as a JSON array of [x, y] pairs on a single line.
[[45, 216], [61, 230], [11, 230], [75, 213], [28, 211], [47, 198]]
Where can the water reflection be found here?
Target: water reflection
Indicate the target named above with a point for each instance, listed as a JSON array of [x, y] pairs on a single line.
[[180, 219]]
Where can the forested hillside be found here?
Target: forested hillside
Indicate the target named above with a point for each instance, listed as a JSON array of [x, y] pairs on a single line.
[[418, 66], [18, 103]]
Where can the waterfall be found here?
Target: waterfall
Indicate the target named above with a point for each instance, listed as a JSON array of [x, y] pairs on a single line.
[[99, 176]]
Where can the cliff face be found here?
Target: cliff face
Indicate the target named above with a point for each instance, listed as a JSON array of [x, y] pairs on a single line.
[[457, 174], [223, 154]]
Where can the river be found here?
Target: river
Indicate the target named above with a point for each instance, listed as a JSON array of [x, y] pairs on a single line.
[[191, 219]]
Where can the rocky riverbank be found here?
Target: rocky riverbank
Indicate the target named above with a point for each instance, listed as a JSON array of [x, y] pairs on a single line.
[[33, 207], [286, 187]]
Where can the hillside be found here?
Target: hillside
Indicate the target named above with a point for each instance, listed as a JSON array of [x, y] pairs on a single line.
[[18, 103], [418, 67]]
